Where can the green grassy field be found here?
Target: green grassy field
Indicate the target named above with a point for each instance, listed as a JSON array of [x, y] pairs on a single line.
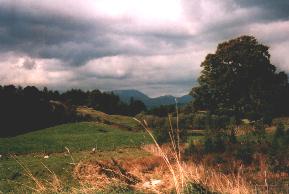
[[75, 136], [80, 138], [14, 179]]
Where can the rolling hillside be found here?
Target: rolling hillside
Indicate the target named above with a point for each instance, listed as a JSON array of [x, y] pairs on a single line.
[[76, 136], [57, 149]]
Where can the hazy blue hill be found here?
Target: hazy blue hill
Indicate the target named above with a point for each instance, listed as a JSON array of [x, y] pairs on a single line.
[[125, 96]]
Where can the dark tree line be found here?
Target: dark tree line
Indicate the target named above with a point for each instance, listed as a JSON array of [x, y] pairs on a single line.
[[23, 110], [27, 109], [162, 111], [102, 101]]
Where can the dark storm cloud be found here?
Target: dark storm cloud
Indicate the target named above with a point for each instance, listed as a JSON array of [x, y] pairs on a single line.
[[272, 9], [75, 41], [52, 35]]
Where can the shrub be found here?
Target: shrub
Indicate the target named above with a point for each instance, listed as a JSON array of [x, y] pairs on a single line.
[[220, 142], [278, 152], [196, 188], [267, 119], [245, 153], [280, 131], [185, 121], [199, 120], [161, 135], [215, 141], [232, 128], [259, 130], [191, 149], [232, 137], [208, 145]]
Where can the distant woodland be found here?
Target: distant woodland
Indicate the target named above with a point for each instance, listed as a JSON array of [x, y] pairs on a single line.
[[27, 109]]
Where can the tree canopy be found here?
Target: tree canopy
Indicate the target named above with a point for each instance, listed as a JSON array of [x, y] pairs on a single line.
[[239, 80], [27, 109]]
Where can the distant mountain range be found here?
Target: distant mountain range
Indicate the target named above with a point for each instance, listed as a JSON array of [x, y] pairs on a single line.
[[126, 95]]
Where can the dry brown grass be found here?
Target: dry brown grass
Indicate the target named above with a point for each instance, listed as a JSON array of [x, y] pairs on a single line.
[[146, 169], [155, 168], [182, 173], [209, 177]]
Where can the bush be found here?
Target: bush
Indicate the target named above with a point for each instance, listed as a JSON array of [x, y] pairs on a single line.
[[215, 141], [199, 120], [280, 131], [191, 149], [267, 119], [161, 135], [210, 121], [208, 145], [259, 130], [245, 153], [197, 188], [185, 121], [278, 152]]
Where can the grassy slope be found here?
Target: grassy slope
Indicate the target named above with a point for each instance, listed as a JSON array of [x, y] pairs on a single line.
[[75, 136], [111, 140], [121, 121], [13, 178]]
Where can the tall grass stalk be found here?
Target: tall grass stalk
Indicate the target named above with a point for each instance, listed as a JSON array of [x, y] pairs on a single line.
[[40, 187], [178, 174], [164, 156]]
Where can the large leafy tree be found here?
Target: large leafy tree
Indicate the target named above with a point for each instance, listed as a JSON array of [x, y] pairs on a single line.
[[240, 80]]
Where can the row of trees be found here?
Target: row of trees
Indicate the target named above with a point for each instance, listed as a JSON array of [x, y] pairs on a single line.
[[162, 111], [102, 101], [27, 109]]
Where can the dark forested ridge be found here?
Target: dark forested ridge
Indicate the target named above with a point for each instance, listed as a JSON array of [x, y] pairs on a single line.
[[27, 109]]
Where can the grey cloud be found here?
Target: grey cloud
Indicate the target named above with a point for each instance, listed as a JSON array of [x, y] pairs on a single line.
[[52, 35], [29, 64], [45, 34], [236, 17], [272, 10]]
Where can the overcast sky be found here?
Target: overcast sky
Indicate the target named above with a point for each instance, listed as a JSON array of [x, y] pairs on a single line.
[[155, 46]]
